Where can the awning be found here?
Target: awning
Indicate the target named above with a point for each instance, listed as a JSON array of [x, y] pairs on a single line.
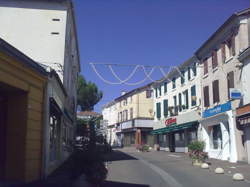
[[175, 127]]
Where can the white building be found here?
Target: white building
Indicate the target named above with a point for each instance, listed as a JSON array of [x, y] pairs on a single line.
[[177, 107], [110, 113], [220, 72], [45, 31]]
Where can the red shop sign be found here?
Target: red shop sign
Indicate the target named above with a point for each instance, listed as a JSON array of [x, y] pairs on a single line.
[[170, 121]]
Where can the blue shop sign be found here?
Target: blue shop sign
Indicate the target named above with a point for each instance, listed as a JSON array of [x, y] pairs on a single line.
[[216, 110]]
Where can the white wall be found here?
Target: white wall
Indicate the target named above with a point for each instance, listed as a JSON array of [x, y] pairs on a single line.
[[245, 82]]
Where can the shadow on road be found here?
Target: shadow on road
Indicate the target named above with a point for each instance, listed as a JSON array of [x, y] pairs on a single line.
[[118, 155], [121, 184]]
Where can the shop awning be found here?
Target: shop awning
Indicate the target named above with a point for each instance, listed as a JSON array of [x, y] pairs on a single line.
[[173, 128]]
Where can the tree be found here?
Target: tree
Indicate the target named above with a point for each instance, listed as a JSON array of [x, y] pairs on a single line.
[[87, 94]]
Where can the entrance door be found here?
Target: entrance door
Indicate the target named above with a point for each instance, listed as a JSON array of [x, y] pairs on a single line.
[[3, 107], [171, 142]]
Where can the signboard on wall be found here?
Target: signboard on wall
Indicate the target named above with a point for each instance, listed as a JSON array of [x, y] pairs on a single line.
[[217, 109], [235, 93], [170, 121]]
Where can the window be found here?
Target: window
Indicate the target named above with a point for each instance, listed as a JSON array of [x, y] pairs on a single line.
[[231, 46], [131, 98], [230, 82], [205, 62], [158, 110], [126, 115], [189, 73], [193, 95], [206, 96], [165, 87], [186, 99], [175, 105], [125, 102], [216, 94], [182, 77], [214, 59], [159, 90], [216, 137], [156, 92], [165, 105], [173, 83], [194, 69], [180, 102], [131, 113], [223, 52], [148, 94]]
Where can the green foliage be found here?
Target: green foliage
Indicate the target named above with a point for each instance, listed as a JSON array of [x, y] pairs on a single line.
[[87, 94], [196, 151], [196, 145]]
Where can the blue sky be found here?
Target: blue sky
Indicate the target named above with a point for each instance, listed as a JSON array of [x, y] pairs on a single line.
[[149, 32]]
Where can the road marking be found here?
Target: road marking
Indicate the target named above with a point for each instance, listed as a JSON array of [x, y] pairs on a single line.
[[174, 156], [164, 175]]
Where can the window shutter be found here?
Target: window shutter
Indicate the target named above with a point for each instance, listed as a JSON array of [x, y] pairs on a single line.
[[160, 90], [214, 59], [194, 69], [156, 92], [187, 99], [233, 45], [182, 77], [165, 103], [180, 102], [230, 82], [205, 62], [158, 110], [193, 95], [189, 73], [223, 52], [206, 96], [216, 95], [165, 87]]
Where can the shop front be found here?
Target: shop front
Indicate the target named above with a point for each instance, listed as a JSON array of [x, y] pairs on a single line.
[[243, 124], [218, 132], [178, 132]]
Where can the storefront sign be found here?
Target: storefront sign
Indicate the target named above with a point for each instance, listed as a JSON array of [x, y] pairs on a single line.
[[216, 110], [170, 121], [235, 93]]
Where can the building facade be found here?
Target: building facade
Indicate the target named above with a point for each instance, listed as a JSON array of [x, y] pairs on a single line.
[[221, 72], [46, 32], [177, 107], [243, 111], [22, 91]]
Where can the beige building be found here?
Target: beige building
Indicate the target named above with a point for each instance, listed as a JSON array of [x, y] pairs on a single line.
[[135, 116], [220, 71]]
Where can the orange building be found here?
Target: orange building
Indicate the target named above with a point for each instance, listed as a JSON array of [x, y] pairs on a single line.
[[22, 85]]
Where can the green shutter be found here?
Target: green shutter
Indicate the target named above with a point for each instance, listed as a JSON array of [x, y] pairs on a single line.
[[186, 99], [160, 90], [165, 103], [189, 73], [193, 93], [182, 77], [180, 102], [158, 110], [156, 92], [165, 87], [194, 69]]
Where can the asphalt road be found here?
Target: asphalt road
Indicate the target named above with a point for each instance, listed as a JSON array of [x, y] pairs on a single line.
[[161, 169]]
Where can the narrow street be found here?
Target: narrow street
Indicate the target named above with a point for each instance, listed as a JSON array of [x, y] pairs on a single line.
[[162, 169]]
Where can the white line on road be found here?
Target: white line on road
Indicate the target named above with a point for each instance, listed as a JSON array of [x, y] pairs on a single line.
[[164, 175]]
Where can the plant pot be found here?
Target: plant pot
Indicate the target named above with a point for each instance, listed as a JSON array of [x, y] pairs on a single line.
[[197, 162]]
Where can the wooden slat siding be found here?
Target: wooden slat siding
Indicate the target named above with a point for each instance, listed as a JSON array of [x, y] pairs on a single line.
[[33, 135], [35, 105], [11, 80], [33, 169], [33, 154], [36, 94], [34, 145], [34, 125], [34, 115], [23, 73]]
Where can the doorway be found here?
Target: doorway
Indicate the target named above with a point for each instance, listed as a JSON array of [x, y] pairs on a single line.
[[171, 142], [3, 114]]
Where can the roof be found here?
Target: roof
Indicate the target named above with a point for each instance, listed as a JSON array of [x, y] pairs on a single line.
[[108, 104], [134, 91], [88, 113], [227, 22], [15, 53]]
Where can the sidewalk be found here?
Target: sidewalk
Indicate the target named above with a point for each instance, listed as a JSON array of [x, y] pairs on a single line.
[[229, 168]]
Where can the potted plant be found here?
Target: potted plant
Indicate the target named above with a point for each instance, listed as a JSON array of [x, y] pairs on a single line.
[[196, 153]]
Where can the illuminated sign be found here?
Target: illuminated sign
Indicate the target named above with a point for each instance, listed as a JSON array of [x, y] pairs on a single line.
[[170, 121]]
